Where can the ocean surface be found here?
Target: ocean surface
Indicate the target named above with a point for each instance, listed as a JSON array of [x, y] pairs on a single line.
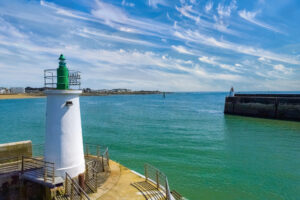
[[205, 154]]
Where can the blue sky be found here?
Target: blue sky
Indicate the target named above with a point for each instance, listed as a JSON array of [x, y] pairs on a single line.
[[184, 45]]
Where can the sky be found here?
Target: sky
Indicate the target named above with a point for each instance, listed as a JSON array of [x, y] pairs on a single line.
[[166, 45]]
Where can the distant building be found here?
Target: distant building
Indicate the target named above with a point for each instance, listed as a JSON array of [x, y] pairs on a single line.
[[87, 90], [2, 90], [17, 90], [120, 90], [34, 90]]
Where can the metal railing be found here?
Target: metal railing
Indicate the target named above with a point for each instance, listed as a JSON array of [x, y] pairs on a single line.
[[50, 78], [10, 165], [91, 175], [176, 195], [105, 159], [38, 169], [158, 178], [102, 159], [92, 149], [73, 191]]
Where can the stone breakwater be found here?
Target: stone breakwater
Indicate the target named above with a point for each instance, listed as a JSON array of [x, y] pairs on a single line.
[[275, 106]]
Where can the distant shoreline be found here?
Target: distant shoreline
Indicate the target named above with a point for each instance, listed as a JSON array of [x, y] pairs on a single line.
[[41, 95], [21, 96], [121, 93]]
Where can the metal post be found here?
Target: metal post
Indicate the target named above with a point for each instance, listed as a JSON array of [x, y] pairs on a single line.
[[66, 185], [45, 173], [146, 172], [53, 172], [98, 151], [86, 172], [107, 157], [103, 164], [96, 180], [167, 190], [157, 180], [87, 149], [22, 168], [72, 192]]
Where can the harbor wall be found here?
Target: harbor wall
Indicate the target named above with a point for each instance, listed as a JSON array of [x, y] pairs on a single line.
[[15, 149], [283, 106]]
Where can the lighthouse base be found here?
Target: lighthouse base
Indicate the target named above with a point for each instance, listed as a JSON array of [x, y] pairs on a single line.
[[73, 171]]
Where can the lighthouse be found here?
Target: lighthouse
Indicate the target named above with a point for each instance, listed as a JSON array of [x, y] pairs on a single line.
[[63, 135]]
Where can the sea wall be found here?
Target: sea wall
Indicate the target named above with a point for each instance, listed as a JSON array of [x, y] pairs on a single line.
[[281, 106], [15, 149]]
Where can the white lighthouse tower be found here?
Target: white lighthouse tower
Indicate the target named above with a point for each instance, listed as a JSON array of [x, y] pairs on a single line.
[[63, 139]]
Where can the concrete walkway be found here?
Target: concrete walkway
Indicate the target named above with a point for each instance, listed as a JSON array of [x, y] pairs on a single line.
[[118, 185]]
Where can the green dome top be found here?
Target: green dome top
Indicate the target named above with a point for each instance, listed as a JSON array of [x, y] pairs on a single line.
[[61, 57]]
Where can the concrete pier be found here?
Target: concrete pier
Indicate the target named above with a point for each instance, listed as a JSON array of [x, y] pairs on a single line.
[[275, 106]]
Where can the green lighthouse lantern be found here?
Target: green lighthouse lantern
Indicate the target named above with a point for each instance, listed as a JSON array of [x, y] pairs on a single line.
[[62, 74]]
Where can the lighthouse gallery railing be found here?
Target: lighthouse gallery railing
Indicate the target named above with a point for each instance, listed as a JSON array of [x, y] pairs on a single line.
[[50, 78]]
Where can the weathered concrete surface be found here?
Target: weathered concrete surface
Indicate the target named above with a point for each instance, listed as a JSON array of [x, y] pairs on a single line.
[[118, 185], [284, 107], [15, 149]]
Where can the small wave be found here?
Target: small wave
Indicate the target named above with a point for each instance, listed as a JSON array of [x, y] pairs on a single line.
[[210, 111]]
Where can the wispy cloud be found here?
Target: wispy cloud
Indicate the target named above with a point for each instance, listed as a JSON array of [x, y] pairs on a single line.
[[190, 13], [282, 69], [130, 4], [155, 3], [225, 11], [96, 34], [209, 5], [182, 49], [213, 61], [251, 17], [196, 37]]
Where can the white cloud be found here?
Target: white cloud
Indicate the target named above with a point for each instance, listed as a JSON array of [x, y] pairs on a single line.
[[64, 11], [129, 4], [196, 37], [187, 11], [155, 3], [208, 6], [111, 37], [281, 68], [190, 13], [208, 60], [212, 61], [225, 11], [182, 49], [193, 1], [251, 17]]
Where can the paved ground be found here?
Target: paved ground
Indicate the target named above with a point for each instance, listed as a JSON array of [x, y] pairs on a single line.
[[118, 185]]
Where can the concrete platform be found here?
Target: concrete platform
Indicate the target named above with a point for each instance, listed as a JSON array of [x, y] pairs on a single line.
[[119, 185]]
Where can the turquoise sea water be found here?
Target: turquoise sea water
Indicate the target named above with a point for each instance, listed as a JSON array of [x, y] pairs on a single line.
[[205, 154]]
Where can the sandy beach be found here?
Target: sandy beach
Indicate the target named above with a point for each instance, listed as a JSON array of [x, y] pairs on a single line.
[[20, 96]]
